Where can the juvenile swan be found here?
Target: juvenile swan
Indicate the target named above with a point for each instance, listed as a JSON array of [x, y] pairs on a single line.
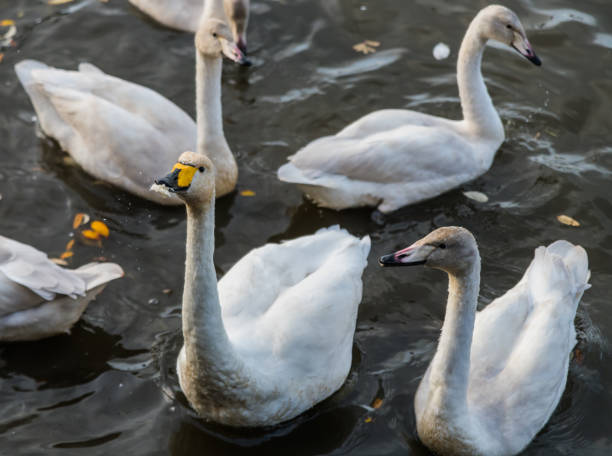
[[38, 298], [274, 336], [395, 157], [126, 134], [185, 15], [497, 374]]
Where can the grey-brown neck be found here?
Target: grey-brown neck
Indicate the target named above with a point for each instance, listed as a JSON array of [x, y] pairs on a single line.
[[450, 367], [478, 111]]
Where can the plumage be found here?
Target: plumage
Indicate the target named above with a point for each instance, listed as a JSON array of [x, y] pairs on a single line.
[[274, 337], [40, 299], [394, 157], [498, 374]]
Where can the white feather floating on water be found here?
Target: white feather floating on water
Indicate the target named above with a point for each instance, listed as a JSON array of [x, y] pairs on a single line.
[[441, 51], [477, 196]]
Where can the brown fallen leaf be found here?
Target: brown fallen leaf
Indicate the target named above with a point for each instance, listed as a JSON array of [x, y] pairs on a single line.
[[366, 47], [7, 22], [91, 234], [567, 220], [69, 245], [247, 193], [167, 291], [59, 261], [1, 56], [58, 2], [80, 219], [100, 228], [66, 255], [376, 403]]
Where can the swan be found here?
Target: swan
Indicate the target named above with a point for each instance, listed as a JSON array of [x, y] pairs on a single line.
[[394, 157], [185, 15], [127, 134], [40, 299], [497, 374], [274, 337]]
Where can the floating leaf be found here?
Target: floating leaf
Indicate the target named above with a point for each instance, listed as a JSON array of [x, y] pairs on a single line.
[[91, 234], [366, 47], [567, 220], [80, 219], [59, 261], [58, 2], [69, 245], [377, 403], [477, 196], [7, 22], [1, 56], [247, 193], [368, 419], [100, 228], [167, 291], [65, 255], [441, 51]]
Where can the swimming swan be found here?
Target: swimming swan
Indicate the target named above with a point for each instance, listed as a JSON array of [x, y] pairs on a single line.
[[395, 157], [274, 337], [126, 134], [497, 374], [40, 299], [185, 15]]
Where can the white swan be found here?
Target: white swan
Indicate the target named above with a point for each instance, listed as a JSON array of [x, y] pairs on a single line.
[[497, 374], [395, 157], [185, 15], [126, 134], [40, 299], [274, 336]]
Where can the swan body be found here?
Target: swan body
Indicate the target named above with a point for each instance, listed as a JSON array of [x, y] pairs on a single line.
[[275, 336], [40, 299], [185, 15], [498, 374], [394, 157], [126, 134]]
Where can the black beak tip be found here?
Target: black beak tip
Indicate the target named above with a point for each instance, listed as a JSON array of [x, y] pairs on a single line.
[[245, 62], [387, 260], [535, 60]]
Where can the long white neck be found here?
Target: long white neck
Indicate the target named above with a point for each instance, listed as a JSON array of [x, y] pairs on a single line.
[[209, 118], [208, 350], [478, 111], [450, 367]]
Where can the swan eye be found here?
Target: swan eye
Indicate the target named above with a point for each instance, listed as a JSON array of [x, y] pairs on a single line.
[[509, 27], [201, 169], [442, 246], [215, 34]]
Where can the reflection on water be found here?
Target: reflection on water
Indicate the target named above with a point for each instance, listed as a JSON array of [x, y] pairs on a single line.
[[110, 386]]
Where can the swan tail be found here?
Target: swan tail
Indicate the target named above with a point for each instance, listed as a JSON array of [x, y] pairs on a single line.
[[96, 274], [561, 268]]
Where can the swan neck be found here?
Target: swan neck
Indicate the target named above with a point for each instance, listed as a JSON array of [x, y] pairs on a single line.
[[205, 340], [209, 114], [478, 110], [451, 363]]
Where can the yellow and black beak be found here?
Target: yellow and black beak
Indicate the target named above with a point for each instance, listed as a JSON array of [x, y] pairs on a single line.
[[179, 178]]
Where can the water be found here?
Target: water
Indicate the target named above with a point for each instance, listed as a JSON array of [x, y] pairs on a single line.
[[110, 386]]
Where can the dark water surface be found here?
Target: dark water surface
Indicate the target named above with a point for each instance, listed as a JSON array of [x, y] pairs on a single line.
[[110, 386]]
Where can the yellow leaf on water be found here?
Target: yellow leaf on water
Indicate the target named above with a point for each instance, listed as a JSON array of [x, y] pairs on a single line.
[[58, 2], [90, 234], [368, 419], [65, 255], [7, 22], [59, 261], [69, 245], [366, 47], [372, 43], [377, 403], [80, 219], [100, 228], [567, 220], [247, 193]]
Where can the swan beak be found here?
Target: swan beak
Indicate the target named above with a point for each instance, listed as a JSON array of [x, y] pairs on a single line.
[[522, 45], [234, 53], [414, 255], [179, 178], [242, 45]]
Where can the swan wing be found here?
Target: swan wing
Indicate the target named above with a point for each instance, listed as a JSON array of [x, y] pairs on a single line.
[[523, 383], [28, 277], [177, 14], [293, 306]]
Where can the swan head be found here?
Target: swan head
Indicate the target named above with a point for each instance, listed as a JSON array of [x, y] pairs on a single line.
[[501, 24], [452, 249], [214, 39], [192, 179], [237, 12]]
